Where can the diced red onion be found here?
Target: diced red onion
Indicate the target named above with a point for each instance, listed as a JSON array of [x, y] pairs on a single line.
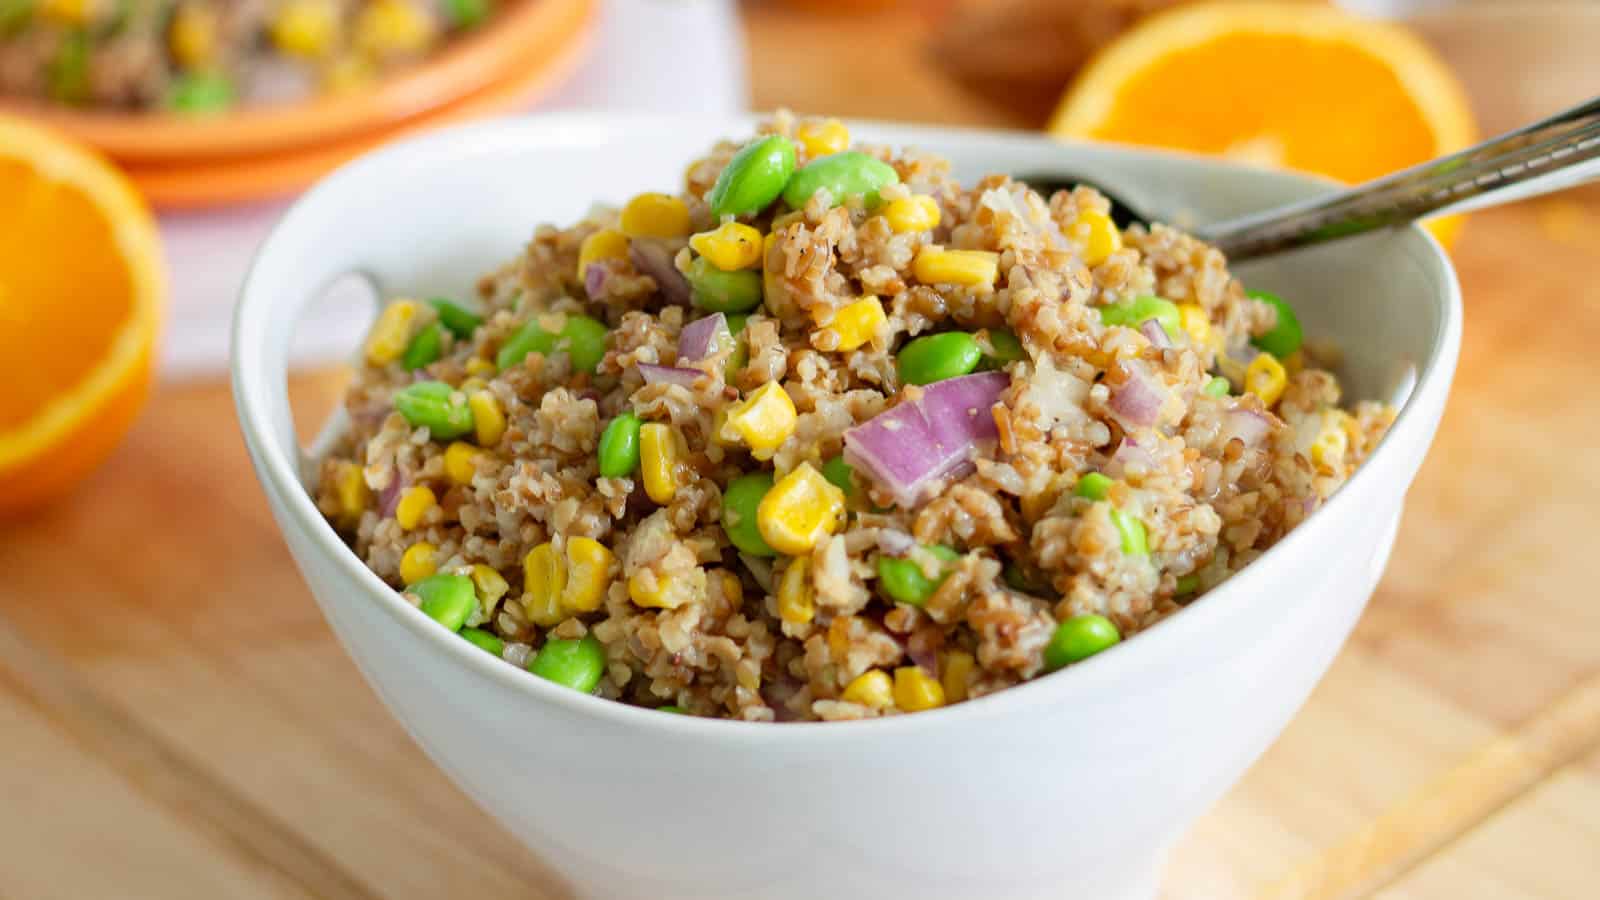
[[654, 258], [595, 278], [894, 542], [1130, 455], [1139, 398], [1157, 335], [390, 497], [912, 447], [1248, 425], [703, 337], [669, 375], [923, 648]]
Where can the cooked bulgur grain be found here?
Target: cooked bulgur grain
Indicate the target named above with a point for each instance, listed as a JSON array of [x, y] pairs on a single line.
[[969, 491]]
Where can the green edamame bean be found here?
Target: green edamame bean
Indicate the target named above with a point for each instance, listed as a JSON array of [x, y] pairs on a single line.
[[843, 175], [903, 580], [1007, 349], [1286, 336], [577, 664], [424, 348], [737, 360], [677, 710], [753, 178], [723, 292], [466, 13], [838, 473], [200, 93], [1134, 540], [447, 599], [739, 504], [68, 73], [461, 321], [14, 14], [937, 357], [1188, 584], [737, 322], [1015, 578], [1136, 312], [483, 640], [583, 339], [1079, 638], [1216, 387], [1093, 486], [435, 406], [619, 446]]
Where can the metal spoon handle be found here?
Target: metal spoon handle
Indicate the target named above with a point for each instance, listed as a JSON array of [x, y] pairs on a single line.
[[1558, 152]]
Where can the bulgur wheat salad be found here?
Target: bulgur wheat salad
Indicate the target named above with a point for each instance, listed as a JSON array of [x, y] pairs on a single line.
[[828, 435]]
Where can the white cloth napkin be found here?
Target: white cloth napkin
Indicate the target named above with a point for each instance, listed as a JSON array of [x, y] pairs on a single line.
[[658, 55]]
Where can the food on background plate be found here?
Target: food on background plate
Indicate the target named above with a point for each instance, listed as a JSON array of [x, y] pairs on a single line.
[[825, 434], [206, 56], [1172, 81], [81, 296]]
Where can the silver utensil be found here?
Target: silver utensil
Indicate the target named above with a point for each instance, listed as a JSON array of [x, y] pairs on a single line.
[[1558, 152]]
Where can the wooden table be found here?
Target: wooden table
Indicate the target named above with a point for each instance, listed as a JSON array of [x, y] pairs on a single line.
[[179, 722]]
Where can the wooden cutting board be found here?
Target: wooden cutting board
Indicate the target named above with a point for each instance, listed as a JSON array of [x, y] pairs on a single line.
[[179, 722]]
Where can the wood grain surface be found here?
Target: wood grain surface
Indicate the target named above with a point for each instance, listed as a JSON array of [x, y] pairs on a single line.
[[179, 722]]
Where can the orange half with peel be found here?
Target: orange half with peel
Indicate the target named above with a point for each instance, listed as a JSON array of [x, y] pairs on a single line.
[[1289, 85], [82, 291]]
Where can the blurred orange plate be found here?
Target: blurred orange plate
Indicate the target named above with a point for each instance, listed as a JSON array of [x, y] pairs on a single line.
[[529, 33], [220, 182]]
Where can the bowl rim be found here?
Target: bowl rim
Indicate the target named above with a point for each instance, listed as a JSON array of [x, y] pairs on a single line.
[[280, 474], [518, 36]]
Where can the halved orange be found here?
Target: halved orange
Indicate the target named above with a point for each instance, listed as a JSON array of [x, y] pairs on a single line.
[[81, 296], [1305, 87]]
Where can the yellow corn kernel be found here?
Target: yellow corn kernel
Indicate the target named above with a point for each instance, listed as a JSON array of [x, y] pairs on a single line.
[[858, 322], [414, 503], [192, 36], [871, 688], [1097, 235], [730, 247], [658, 461], [970, 268], [732, 589], [392, 332], [478, 367], [919, 212], [461, 462], [800, 510], [607, 243], [1328, 450], [589, 566], [650, 588], [795, 601], [491, 586], [393, 28], [488, 419], [654, 215], [1266, 378], [306, 28], [957, 670], [1196, 323], [1294, 363], [543, 579], [350, 489], [916, 690], [418, 562], [823, 138], [69, 12], [763, 422], [348, 73]]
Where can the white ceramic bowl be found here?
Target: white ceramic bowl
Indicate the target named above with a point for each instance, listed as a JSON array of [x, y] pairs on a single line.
[[1071, 785]]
